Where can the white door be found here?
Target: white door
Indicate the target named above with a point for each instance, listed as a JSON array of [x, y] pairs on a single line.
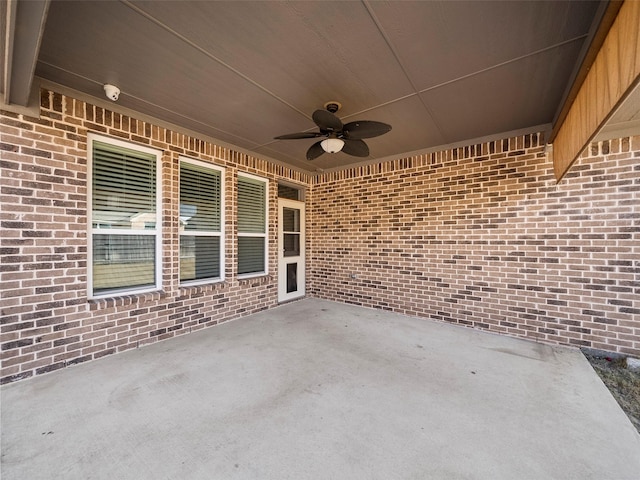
[[291, 264]]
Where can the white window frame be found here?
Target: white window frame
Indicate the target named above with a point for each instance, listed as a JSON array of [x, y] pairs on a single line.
[[265, 235], [157, 232], [220, 234]]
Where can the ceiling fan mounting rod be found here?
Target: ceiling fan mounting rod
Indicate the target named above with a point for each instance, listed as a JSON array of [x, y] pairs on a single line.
[[332, 106]]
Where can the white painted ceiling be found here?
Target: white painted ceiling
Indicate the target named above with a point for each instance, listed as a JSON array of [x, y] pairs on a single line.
[[439, 72]]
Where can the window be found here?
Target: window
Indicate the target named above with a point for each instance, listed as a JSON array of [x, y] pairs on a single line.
[[124, 219], [290, 192], [252, 225], [201, 222]]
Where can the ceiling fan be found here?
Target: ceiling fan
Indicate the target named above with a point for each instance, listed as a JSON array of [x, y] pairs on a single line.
[[338, 136]]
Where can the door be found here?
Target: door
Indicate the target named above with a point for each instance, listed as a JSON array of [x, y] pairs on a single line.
[[291, 264]]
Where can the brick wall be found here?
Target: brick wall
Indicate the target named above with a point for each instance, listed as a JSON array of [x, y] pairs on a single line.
[[46, 320], [483, 236]]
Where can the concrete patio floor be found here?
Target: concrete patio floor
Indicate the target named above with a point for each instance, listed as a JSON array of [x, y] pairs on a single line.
[[320, 390]]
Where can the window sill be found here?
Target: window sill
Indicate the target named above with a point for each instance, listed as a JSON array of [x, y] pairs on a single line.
[[201, 288], [251, 276], [125, 299], [201, 283], [255, 280]]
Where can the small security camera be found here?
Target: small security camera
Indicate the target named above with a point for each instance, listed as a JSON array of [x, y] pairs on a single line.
[[112, 92]]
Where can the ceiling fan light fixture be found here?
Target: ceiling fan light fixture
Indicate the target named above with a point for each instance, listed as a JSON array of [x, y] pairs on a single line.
[[332, 145]]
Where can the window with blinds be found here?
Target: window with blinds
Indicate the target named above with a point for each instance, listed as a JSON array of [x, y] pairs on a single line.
[[201, 222], [252, 225], [125, 244]]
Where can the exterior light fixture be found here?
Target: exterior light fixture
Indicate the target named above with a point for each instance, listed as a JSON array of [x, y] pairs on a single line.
[[332, 145]]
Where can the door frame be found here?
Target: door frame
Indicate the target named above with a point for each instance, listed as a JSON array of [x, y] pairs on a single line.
[[283, 261]]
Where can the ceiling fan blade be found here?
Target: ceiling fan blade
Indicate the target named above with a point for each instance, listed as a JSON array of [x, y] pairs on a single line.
[[327, 121], [357, 148], [314, 151], [295, 136], [365, 129]]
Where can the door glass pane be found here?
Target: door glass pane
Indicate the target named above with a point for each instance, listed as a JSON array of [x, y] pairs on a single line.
[[290, 219], [292, 277], [291, 244]]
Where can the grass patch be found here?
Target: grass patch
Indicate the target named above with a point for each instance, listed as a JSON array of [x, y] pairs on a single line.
[[624, 384]]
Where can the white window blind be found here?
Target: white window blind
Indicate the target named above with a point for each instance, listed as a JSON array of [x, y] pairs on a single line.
[[252, 225], [200, 222], [124, 218]]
